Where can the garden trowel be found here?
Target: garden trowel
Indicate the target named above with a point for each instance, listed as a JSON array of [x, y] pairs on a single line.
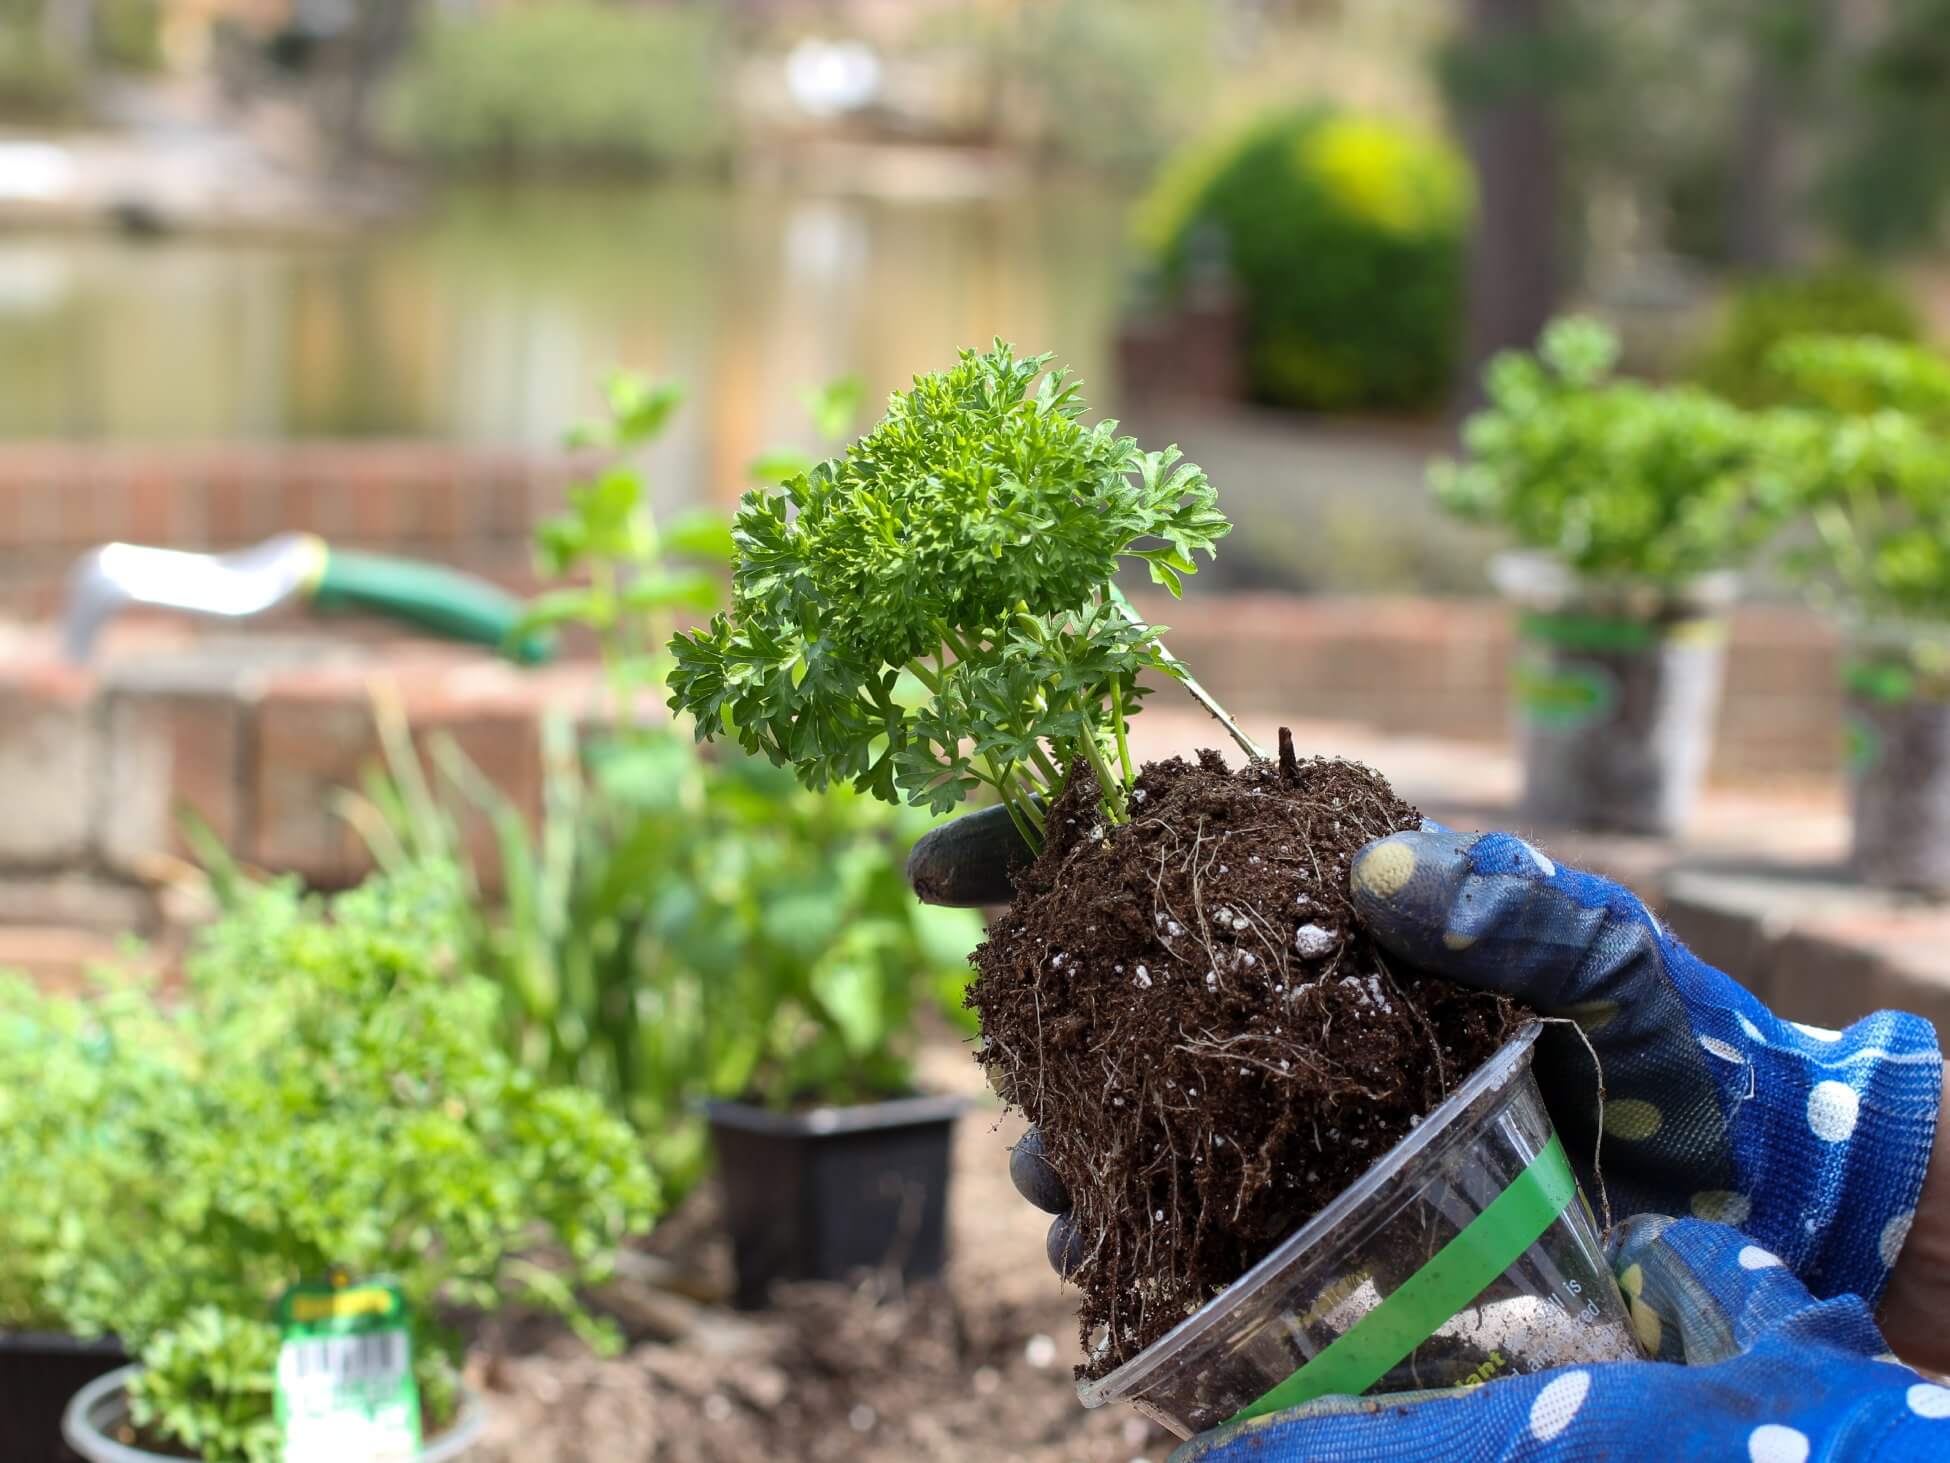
[[293, 568]]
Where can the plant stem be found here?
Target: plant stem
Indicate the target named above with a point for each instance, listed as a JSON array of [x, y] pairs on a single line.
[[1109, 785], [1021, 805], [1185, 678], [1117, 722], [1046, 767]]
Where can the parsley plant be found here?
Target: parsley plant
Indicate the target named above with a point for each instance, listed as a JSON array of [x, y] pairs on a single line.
[[934, 611]]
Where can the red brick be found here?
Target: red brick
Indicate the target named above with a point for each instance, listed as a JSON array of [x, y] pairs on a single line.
[[371, 496], [316, 735], [149, 509], [171, 752], [227, 509], [55, 959], [49, 764]]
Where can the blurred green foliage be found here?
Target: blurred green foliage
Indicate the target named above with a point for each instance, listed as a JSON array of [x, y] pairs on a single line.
[[684, 924], [1762, 313], [1874, 452], [572, 84], [1344, 237], [328, 1091], [1614, 478]]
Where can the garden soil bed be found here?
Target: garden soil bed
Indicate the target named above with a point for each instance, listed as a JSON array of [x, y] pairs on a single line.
[[974, 1368]]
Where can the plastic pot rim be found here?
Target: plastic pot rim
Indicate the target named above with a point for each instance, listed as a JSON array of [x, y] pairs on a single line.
[[1504, 1064], [1536, 580], [818, 1122], [79, 1429]]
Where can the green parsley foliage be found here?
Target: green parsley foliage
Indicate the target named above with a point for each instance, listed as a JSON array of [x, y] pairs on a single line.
[[327, 1091], [1874, 454], [1617, 479], [934, 611]]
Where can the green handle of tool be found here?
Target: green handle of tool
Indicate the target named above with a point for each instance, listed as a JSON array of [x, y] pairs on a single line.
[[451, 604]]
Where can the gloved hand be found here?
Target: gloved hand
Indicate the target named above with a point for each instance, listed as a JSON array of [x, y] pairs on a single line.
[[1751, 1366], [1818, 1142], [1814, 1142]]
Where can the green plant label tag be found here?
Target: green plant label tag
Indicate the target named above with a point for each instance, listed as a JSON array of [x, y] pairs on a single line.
[[1563, 696], [1861, 745], [345, 1387]]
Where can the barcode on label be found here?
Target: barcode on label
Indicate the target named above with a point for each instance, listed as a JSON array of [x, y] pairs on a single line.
[[379, 1355]]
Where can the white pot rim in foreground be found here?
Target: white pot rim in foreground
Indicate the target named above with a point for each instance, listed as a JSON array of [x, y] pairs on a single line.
[[103, 1404], [1505, 1064]]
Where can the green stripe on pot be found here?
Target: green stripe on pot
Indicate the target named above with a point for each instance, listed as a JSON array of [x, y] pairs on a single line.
[[1861, 745], [1563, 697], [1586, 632], [1880, 680], [1421, 1305]]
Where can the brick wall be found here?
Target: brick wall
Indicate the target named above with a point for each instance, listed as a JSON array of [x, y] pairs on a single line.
[[471, 508], [1439, 668], [256, 733]]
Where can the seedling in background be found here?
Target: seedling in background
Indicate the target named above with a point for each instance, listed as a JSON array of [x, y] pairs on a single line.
[[935, 611], [1614, 478]]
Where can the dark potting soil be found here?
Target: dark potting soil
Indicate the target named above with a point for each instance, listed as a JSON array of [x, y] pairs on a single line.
[[1208, 1041]]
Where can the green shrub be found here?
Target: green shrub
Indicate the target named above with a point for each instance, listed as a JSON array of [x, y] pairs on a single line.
[[329, 1092], [1874, 449], [1616, 479], [1764, 312], [1345, 237], [570, 84]]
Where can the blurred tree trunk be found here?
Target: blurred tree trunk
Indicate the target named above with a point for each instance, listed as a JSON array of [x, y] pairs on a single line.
[[1511, 129], [1757, 229], [68, 27], [372, 45], [1787, 41]]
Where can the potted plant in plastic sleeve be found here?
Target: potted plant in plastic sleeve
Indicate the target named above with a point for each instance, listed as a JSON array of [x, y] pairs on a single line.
[[1632, 506]]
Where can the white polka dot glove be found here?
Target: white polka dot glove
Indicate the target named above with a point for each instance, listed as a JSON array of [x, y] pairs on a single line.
[[1814, 1142], [1753, 1367]]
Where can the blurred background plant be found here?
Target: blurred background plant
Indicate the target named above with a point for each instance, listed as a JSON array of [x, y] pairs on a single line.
[[1344, 237], [329, 1092], [1615, 479], [684, 923], [1875, 463], [1758, 316]]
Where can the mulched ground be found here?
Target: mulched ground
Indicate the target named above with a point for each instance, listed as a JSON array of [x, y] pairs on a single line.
[[974, 1369]]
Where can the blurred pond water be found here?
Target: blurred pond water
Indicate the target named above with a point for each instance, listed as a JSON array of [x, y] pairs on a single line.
[[492, 316]]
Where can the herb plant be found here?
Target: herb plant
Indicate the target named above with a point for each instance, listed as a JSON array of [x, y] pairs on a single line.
[[1875, 461], [1616, 479], [935, 610], [328, 1093], [683, 924]]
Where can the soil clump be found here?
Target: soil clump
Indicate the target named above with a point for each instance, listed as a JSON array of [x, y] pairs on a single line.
[[1210, 1044]]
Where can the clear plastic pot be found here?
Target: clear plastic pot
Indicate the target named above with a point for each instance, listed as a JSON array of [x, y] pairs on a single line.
[[1617, 688], [1466, 1253], [101, 1409], [1898, 716]]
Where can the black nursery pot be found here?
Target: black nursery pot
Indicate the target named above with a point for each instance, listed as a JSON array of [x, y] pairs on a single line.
[[39, 1372], [817, 1195]]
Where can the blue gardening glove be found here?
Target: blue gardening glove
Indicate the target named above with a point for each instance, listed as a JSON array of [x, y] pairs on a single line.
[[1814, 1142], [1751, 1367]]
